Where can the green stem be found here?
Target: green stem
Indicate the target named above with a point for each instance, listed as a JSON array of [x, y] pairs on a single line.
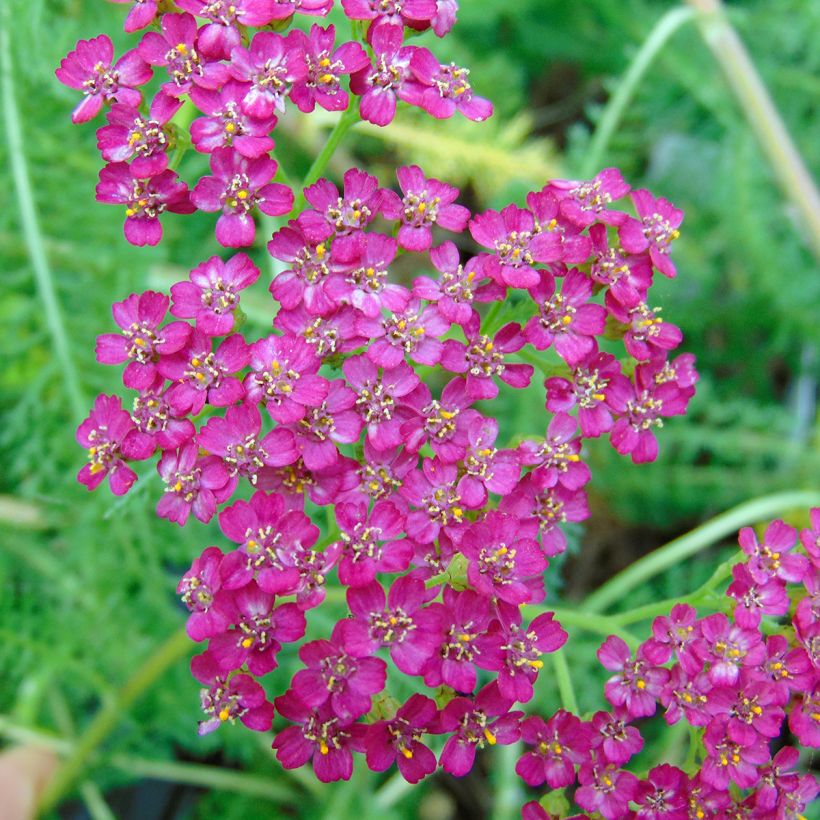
[[626, 87], [107, 718], [563, 678], [31, 225], [588, 621], [619, 587], [194, 774], [393, 789], [343, 125], [793, 176], [508, 795]]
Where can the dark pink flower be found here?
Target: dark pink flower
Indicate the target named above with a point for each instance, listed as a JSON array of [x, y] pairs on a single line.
[[637, 683], [810, 537], [131, 136], [559, 744], [654, 230], [142, 340], [647, 334], [773, 557], [221, 35], [260, 629], [483, 358], [141, 13], [320, 736], [447, 89], [412, 333], [238, 697], [754, 598], [381, 473], [329, 335], [585, 203], [155, 420], [204, 375], [575, 246], [334, 676], [89, 69], [396, 13], [473, 728], [614, 740], [433, 492], [517, 245], [676, 633], [486, 468], [445, 18], [399, 740], [628, 277], [237, 187], [325, 66], [566, 319], [104, 434], [193, 483], [728, 648], [748, 708], [685, 696], [350, 211], [729, 761], [236, 440], [388, 80], [199, 588], [803, 718], [227, 126], [283, 9], [425, 202], [788, 668], [267, 71], [558, 458], [401, 622], [662, 796], [284, 377], [145, 199], [211, 298]]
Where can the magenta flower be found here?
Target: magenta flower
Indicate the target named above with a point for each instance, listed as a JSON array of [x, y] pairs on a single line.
[[145, 199], [226, 126], [517, 246], [754, 598], [284, 377], [367, 542], [787, 668], [141, 13], [473, 728], [176, 49], [306, 248], [325, 66], [810, 537], [447, 89], [382, 472], [267, 71], [88, 69], [236, 440], [654, 230], [399, 740], [155, 420], [486, 469], [221, 35], [350, 211], [203, 375], [199, 588], [333, 422], [566, 319], [365, 284], [329, 335], [597, 388], [236, 188], [211, 297], [400, 622], [647, 334], [503, 563], [803, 721], [685, 696], [465, 617], [677, 633], [193, 483], [559, 744], [389, 79], [728, 648], [398, 13], [662, 796], [454, 292], [584, 203], [260, 631], [425, 202], [614, 740], [239, 697], [749, 709], [334, 676], [483, 358], [443, 22], [142, 340], [130, 136], [558, 458], [379, 398], [104, 433], [773, 559], [637, 683], [627, 277], [729, 761], [283, 9], [320, 736], [545, 206], [434, 494]]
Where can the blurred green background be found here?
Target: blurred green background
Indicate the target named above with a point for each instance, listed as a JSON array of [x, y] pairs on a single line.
[[86, 581]]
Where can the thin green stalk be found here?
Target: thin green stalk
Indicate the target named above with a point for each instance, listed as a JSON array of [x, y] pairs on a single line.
[[508, 793], [563, 678], [343, 125], [626, 87], [588, 621], [391, 791], [31, 225], [107, 718], [619, 587], [793, 176]]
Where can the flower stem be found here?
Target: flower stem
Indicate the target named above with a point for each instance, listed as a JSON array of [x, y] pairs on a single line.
[[31, 225], [106, 719], [563, 678], [343, 125], [625, 90], [753, 97], [588, 621], [619, 587]]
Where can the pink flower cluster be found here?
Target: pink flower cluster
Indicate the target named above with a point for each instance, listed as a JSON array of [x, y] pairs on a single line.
[[440, 533], [737, 680], [240, 84]]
